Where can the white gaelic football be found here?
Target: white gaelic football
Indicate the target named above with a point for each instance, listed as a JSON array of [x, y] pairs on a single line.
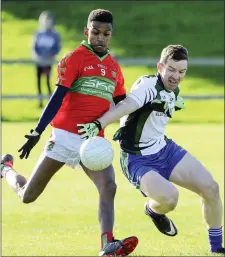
[[96, 153]]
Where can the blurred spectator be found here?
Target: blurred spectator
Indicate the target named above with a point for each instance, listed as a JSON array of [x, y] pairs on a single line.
[[46, 46]]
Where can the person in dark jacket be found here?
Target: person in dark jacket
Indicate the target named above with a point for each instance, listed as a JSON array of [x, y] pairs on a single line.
[[46, 46]]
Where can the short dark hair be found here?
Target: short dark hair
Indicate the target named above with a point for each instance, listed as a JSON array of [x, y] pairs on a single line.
[[100, 15], [175, 52]]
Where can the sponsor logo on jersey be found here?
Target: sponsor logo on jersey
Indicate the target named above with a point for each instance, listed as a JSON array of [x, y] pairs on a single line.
[[102, 66], [113, 74], [50, 146], [167, 97], [160, 114], [103, 88], [101, 85], [89, 68], [62, 70]]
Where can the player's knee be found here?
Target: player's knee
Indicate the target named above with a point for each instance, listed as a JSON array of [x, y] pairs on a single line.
[[108, 189], [20, 180], [28, 197], [210, 190], [169, 201]]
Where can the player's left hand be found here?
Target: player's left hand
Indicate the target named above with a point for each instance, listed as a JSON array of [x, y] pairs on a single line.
[[89, 130], [32, 140], [179, 103]]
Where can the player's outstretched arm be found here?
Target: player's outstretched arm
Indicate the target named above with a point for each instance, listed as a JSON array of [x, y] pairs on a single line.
[[142, 92], [125, 107], [48, 114]]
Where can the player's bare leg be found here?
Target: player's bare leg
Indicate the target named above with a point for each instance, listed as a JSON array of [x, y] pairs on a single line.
[[106, 186], [163, 194], [28, 191], [163, 199], [191, 174], [105, 183]]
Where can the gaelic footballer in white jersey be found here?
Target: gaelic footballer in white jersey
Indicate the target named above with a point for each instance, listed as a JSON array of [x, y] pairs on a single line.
[[152, 162], [142, 132]]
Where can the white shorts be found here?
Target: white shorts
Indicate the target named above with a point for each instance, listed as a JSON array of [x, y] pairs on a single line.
[[64, 146]]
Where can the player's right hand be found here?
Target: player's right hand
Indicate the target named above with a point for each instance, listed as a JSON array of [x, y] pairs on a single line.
[[89, 130], [32, 140]]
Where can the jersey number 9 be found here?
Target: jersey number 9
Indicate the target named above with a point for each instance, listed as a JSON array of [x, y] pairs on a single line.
[[103, 72]]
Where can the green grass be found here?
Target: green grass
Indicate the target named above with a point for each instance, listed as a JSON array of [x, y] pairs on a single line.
[[63, 221], [183, 23], [141, 28], [196, 111], [20, 79]]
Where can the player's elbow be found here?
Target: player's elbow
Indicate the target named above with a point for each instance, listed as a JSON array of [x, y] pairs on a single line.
[[130, 105], [27, 197], [27, 200]]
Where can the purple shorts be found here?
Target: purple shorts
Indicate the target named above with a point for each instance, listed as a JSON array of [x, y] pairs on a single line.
[[163, 162]]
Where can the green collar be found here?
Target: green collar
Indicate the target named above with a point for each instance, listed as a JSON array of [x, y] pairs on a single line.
[[161, 82], [85, 44]]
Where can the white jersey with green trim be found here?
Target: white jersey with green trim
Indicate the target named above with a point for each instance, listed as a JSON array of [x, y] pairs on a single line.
[[142, 132]]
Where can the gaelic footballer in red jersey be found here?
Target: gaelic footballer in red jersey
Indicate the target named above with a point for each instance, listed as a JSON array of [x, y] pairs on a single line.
[[89, 80], [93, 83]]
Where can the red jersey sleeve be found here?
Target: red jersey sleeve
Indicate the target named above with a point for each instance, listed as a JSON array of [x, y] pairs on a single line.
[[120, 88], [68, 70]]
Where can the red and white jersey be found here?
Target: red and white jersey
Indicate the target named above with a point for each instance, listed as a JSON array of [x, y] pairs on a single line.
[[93, 81]]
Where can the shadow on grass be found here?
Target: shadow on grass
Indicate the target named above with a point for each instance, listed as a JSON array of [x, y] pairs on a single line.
[[28, 119]]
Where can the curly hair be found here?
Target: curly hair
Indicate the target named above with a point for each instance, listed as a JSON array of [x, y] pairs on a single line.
[[100, 15]]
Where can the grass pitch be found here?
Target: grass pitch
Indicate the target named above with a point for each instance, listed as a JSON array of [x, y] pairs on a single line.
[[199, 81], [63, 221], [143, 31]]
